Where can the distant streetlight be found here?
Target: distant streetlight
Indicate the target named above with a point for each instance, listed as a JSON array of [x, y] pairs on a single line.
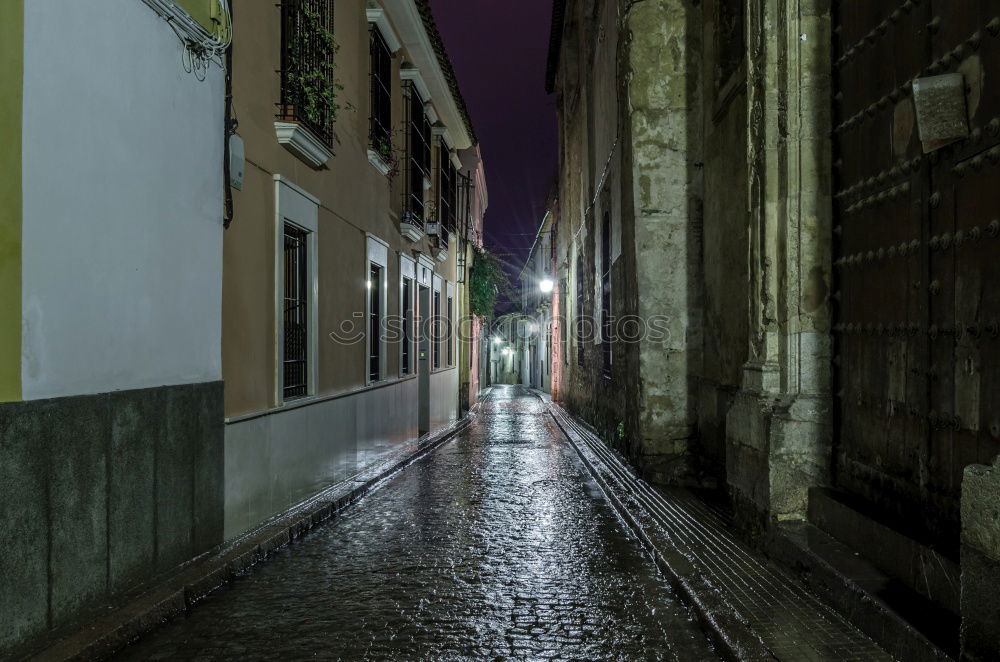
[[496, 340], [546, 285]]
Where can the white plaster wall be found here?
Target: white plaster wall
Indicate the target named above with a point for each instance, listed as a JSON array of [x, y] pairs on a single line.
[[280, 459], [122, 236]]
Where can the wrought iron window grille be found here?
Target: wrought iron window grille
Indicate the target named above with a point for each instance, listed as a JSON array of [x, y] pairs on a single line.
[[417, 164], [295, 359], [307, 53], [380, 120]]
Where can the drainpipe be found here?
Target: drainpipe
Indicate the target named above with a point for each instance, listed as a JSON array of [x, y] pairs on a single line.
[[230, 129]]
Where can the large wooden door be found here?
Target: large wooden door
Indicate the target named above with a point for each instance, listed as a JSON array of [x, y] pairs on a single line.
[[917, 254]]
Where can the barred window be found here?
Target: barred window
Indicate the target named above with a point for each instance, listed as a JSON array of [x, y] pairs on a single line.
[[406, 302], [380, 122], [437, 332], [450, 331], [447, 187], [375, 298], [308, 87], [418, 155], [606, 318], [296, 307], [580, 322]]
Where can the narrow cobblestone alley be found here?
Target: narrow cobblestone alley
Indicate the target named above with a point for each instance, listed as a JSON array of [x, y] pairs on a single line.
[[497, 545]]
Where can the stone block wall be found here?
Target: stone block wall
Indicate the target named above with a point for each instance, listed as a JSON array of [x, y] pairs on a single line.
[[103, 492]]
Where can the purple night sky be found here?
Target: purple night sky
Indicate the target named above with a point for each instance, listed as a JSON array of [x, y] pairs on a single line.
[[499, 50]]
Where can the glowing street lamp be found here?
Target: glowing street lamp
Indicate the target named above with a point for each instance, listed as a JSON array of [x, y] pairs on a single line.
[[546, 285], [497, 340]]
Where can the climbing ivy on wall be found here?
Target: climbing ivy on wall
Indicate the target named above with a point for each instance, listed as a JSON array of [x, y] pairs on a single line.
[[486, 280]]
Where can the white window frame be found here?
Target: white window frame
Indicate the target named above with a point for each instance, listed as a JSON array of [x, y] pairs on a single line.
[[378, 254], [436, 345], [408, 271], [295, 206], [450, 352]]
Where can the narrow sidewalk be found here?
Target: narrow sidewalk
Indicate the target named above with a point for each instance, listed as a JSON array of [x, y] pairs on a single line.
[[755, 609]]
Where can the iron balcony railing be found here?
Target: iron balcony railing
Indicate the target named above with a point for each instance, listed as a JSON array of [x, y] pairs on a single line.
[[307, 51], [418, 156], [379, 129]]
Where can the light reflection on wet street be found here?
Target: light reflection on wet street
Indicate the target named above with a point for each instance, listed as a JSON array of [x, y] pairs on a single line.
[[497, 545]]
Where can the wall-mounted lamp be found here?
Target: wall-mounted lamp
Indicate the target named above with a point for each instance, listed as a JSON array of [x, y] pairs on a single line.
[[546, 285]]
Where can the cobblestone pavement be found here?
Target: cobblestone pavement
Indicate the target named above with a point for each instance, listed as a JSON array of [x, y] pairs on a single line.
[[498, 545]]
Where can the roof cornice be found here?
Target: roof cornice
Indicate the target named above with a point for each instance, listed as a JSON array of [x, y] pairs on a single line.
[[425, 48]]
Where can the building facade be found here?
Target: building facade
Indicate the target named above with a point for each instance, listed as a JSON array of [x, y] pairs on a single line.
[[111, 223], [471, 332], [537, 285], [341, 288], [778, 272]]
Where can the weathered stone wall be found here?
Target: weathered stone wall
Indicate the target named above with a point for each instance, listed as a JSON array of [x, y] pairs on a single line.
[[779, 430], [724, 249], [662, 152], [629, 96], [589, 185], [103, 492], [981, 562]]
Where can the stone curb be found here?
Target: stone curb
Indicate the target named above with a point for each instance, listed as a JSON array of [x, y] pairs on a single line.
[[733, 638], [198, 578]]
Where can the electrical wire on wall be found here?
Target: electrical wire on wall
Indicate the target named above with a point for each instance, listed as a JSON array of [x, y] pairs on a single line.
[[202, 47]]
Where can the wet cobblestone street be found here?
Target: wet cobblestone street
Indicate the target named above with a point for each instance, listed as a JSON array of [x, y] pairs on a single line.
[[497, 545]]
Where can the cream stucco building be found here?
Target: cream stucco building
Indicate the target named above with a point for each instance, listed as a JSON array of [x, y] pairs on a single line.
[[344, 245]]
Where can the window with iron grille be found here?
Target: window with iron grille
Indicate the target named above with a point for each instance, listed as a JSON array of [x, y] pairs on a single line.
[[374, 322], [447, 187], [547, 356], [407, 304], [580, 323], [606, 318], [437, 329], [563, 321], [450, 330], [418, 155], [296, 308], [380, 122], [307, 50]]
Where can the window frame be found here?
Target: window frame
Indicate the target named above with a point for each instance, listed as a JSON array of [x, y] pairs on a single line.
[[377, 256], [607, 321], [407, 315], [289, 109], [447, 185], [436, 324], [450, 328], [578, 313], [380, 91], [296, 207], [418, 154]]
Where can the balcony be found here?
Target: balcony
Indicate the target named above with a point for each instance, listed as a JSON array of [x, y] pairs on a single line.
[[306, 111], [411, 226]]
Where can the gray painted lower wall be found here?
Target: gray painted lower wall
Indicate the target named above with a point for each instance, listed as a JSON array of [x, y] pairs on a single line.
[[285, 456], [99, 493]]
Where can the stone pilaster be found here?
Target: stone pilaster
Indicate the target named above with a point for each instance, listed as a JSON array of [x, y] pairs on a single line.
[[779, 429], [981, 562]]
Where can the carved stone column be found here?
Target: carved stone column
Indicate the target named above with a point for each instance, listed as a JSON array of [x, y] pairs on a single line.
[[779, 431]]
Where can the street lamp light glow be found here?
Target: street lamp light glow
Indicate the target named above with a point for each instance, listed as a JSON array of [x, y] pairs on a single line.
[[496, 340], [546, 285]]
